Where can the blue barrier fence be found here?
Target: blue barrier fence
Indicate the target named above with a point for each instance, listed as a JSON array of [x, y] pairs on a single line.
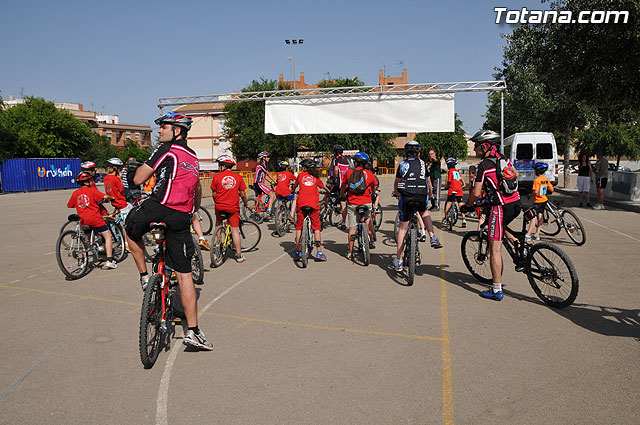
[[31, 174]]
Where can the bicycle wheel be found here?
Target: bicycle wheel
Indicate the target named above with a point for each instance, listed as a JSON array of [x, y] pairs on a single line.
[[364, 245], [148, 244], [378, 212], [250, 235], [574, 228], [197, 263], [396, 224], [282, 217], [205, 220], [218, 249], [550, 225], [67, 226], [150, 321], [413, 249], [251, 212], [323, 212], [73, 254], [552, 275], [119, 249], [304, 242], [475, 254], [335, 215]]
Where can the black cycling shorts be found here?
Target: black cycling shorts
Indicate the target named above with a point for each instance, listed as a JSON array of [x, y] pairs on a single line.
[[180, 247], [405, 207], [454, 198], [509, 212], [540, 207]]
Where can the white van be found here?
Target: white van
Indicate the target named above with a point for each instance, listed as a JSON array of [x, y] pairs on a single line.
[[525, 149]]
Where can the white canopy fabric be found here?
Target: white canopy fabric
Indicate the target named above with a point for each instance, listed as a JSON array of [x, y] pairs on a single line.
[[378, 113]]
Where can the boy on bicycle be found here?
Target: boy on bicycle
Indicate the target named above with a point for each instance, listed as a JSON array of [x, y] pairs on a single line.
[[286, 179], [113, 186], [227, 188], [455, 185], [86, 202], [541, 186], [308, 184]]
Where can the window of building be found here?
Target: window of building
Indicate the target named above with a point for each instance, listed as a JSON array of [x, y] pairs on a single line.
[[137, 137], [109, 134]]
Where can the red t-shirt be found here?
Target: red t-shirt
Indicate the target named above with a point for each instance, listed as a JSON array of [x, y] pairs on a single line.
[[455, 182], [284, 179], [227, 186], [365, 198], [308, 196], [85, 201], [113, 187]]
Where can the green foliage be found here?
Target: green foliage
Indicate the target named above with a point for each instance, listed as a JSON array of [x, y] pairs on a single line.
[[37, 129], [100, 151], [444, 144], [613, 140], [134, 150]]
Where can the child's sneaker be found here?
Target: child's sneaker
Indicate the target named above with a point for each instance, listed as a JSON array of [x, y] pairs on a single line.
[[464, 223], [397, 265], [320, 256], [536, 237], [435, 242], [349, 256], [144, 280], [297, 255], [527, 238], [110, 265], [497, 296], [423, 236], [240, 258]]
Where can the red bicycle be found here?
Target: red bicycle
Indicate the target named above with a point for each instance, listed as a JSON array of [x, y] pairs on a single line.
[[160, 304], [256, 208]]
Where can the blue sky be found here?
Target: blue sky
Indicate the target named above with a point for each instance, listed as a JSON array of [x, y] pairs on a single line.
[[119, 57]]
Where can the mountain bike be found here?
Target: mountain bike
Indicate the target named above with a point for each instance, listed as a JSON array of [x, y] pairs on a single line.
[[205, 220], [452, 216], [161, 302], [549, 270], [330, 211], [555, 217], [362, 234], [221, 241], [78, 250], [256, 208], [283, 212], [411, 255]]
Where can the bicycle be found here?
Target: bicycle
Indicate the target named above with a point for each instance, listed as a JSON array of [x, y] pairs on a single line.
[[330, 211], [283, 212], [549, 270], [555, 218], [256, 208], [76, 253], [452, 216], [222, 241], [362, 234], [411, 255], [205, 220], [307, 238], [161, 302]]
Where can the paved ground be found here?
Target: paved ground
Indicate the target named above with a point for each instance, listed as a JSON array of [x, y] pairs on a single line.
[[336, 343]]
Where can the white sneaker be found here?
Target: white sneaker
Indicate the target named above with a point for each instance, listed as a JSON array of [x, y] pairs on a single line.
[[110, 265], [197, 340], [397, 265], [536, 237]]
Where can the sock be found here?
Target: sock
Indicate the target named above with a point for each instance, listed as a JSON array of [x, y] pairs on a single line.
[[110, 259], [144, 274], [497, 287], [202, 238], [195, 329]]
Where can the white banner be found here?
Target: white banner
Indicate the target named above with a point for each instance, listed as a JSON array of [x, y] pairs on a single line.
[[375, 113]]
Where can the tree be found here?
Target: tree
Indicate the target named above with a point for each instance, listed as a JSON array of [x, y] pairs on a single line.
[[134, 150], [614, 140], [100, 150], [37, 129], [444, 144]]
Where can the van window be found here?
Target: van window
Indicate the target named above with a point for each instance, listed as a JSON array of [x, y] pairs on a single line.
[[544, 151], [524, 151]]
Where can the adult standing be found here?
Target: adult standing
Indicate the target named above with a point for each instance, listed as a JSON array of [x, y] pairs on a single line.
[[585, 172], [601, 170], [339, 167], [176, 195], [435, 172]]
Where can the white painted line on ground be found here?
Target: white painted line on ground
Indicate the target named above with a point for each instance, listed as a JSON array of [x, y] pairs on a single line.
[[609, 228], [32, 276], [50, 253], [15, 281]]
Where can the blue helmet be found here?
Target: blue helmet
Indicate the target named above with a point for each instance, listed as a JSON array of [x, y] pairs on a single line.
[[541, 166], [361, 157], [451, 162]]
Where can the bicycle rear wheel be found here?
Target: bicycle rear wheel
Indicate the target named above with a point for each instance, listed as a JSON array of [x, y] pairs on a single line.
[[378, 213], [205, 220], [396, 224], [282, 217], [250, 235], [148, 244], [324, 213], [304, 242], [119, 250], [475, 254], [413, 249], [73, 254], [552, 275], [218, 249], [197, 263], [335, 214], [364, 245], [252, 213], [574, 228], [150, 321], [550, 225]]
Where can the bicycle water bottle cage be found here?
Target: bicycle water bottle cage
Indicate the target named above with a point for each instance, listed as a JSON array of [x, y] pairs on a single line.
[[74, 217], [158, 231], [530, 214], [224, 215], [306, 210], [362, 210]]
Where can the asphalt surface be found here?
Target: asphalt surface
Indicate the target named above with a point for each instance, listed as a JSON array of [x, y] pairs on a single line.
[[336, 343]]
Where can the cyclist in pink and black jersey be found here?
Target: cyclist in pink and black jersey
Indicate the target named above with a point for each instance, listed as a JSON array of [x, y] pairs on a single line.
[[261, 179]]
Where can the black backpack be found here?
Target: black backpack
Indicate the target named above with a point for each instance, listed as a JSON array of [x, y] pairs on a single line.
[[358, 182], [507, 181]]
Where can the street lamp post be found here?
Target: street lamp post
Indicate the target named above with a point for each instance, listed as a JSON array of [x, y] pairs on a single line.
[[295, 144]]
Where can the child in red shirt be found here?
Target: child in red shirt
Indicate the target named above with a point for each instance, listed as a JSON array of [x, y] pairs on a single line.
[[285, 179], [455, 194], [308, 184], [85, 201]]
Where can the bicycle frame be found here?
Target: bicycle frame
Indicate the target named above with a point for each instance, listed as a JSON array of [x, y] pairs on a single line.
[[159, 269]]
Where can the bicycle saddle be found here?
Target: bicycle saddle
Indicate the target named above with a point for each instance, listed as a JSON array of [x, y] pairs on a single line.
[[74, 217], [362, 209], [224, 214], [306, 209]]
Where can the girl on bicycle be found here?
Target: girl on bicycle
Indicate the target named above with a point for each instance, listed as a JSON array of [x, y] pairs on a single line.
[[286, 179], [262, 177], [455, 184], [308, 184]]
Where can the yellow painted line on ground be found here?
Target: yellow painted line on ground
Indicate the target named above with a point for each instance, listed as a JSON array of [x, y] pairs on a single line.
[[73, 301], [42, 266], [102, 276], [447, 385], [321, 327], [84, 297]]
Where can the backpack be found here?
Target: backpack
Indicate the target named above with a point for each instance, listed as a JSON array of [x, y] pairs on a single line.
[[507, 181], [358, 182], [343, 168]]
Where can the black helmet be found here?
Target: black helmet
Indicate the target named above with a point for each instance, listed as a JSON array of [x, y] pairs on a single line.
[[486, 136], [338, 149], [176, 119], [308, 163], [412, 148]]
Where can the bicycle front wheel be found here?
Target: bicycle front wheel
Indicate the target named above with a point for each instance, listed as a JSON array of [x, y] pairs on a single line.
[[413, 250], [197, 263], [250, 235], [378, 213], [552, 275], [73, 254], [205, 220], [218, 248], [550, 225], [304, 242], [364, 245], [324, 213], [574, 228], [475, 254], [335, 214], [119, 250], [150, 321]]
